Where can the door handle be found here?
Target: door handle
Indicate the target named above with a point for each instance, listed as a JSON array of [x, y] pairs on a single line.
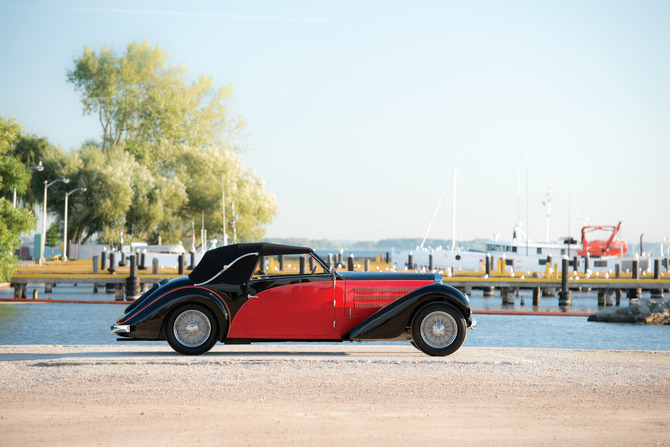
[[252, 296]]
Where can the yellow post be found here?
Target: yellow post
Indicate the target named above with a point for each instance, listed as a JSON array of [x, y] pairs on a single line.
[[481, 265], [501, 266], [556, 271], [548, 272]]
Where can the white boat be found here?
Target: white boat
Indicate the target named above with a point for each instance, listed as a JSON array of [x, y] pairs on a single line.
[[520, 255]]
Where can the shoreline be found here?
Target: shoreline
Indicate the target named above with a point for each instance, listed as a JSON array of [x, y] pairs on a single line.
[[340, 395]]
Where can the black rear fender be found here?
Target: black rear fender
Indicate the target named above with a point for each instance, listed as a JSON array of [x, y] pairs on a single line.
[[391, 321]]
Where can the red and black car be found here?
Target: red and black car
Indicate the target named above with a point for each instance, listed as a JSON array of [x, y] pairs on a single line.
[[230, 297]]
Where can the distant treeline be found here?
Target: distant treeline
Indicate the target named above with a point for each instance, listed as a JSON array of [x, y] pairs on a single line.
[[383, 244]]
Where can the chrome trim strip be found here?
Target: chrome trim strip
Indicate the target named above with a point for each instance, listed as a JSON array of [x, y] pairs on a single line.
[[225, 267], [120, 328]]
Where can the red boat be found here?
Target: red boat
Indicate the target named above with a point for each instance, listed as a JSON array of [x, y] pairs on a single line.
[[602, 247]]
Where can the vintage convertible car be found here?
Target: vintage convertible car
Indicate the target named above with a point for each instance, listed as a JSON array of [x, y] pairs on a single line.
[[231, 297]]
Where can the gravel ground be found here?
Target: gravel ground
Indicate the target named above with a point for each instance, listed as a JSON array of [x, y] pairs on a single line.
[[298, 394]]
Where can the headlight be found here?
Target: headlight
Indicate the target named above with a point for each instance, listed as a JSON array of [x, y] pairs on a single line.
[[467, 298]]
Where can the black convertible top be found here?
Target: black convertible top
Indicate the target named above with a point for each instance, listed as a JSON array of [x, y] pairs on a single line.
[[238, 273]]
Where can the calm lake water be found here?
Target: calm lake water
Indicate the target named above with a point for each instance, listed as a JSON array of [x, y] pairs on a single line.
[[44, 323]]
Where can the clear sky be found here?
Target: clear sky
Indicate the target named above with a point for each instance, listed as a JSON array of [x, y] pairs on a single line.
[[359, 111]]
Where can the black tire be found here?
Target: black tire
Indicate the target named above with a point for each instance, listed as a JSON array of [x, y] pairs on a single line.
[[444, 329], [415, 345], [191, 329]]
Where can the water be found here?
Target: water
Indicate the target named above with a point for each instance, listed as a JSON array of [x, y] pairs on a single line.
[[88, 324]]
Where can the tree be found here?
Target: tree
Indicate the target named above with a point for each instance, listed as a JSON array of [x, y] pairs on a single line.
[[182, 140], [53, 238], [13, 174], [150, 107]]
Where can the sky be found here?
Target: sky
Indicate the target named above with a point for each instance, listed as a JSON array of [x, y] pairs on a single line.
[[358, 112]]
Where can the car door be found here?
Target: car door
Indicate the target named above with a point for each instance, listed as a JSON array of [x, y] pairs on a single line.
[[292, 307]]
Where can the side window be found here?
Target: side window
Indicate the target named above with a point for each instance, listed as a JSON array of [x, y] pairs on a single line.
[[282, 265], [539, 251]]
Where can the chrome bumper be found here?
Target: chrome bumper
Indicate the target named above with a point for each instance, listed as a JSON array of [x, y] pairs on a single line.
[[474, 324], [120, 329]]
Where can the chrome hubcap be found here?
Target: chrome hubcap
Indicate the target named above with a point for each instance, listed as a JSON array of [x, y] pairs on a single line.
[[439, 329], [192, 328]]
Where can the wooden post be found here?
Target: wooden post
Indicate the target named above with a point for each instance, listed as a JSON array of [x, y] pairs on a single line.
[[311, 264], [388, 258], [431, 263], [488, 267], [280, 258], [192, 265], [601, 297], [143, 261], [302, 265], [608, 297], [587, 262], [657, 293], [617, 271], [24, 291], [367, 265], [180, 266], [95, 265], [103, 261], [35, 293], [410, 261], [330, 260], [95, 288], [565, 297], [635, 293], [506, 298], [154, 266], [17, 291], [132, 282], [536, 296], [488, 291], [575, 264], [112, 264], [617, 293], [47, 288], [118, 292], [350, 263]]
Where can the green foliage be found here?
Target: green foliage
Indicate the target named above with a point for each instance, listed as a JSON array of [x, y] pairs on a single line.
[[167, 144], [13, 174], [53, 236], [150, 106]]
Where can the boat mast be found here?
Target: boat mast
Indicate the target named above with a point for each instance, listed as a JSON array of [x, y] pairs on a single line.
[[527, 204], [453, 216], [547, 203]]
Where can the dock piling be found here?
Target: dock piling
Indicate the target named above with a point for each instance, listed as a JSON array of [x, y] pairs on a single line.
[[565, 297], [350, 263], [95, 265], [302, 265], [112, 264], [103, 261], [133, 281], [536, 296], [154, 266], [367, 265], [180, 262]]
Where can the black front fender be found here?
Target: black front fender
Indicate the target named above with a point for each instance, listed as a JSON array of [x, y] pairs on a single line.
[[148, 323], [391, 321]]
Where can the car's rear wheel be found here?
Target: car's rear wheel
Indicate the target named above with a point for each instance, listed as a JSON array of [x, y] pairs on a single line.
[[191, 329], [438, 329]]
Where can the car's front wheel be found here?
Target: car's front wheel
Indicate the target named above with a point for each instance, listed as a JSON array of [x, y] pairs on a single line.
[[191, 329], [438, 329]]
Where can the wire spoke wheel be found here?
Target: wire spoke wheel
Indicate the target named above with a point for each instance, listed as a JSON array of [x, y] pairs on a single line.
[[192, 328], [439, 329]]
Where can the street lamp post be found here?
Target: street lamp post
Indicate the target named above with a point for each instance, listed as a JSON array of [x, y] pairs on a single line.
[[37, 167], [44, 215], [65, 223]]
